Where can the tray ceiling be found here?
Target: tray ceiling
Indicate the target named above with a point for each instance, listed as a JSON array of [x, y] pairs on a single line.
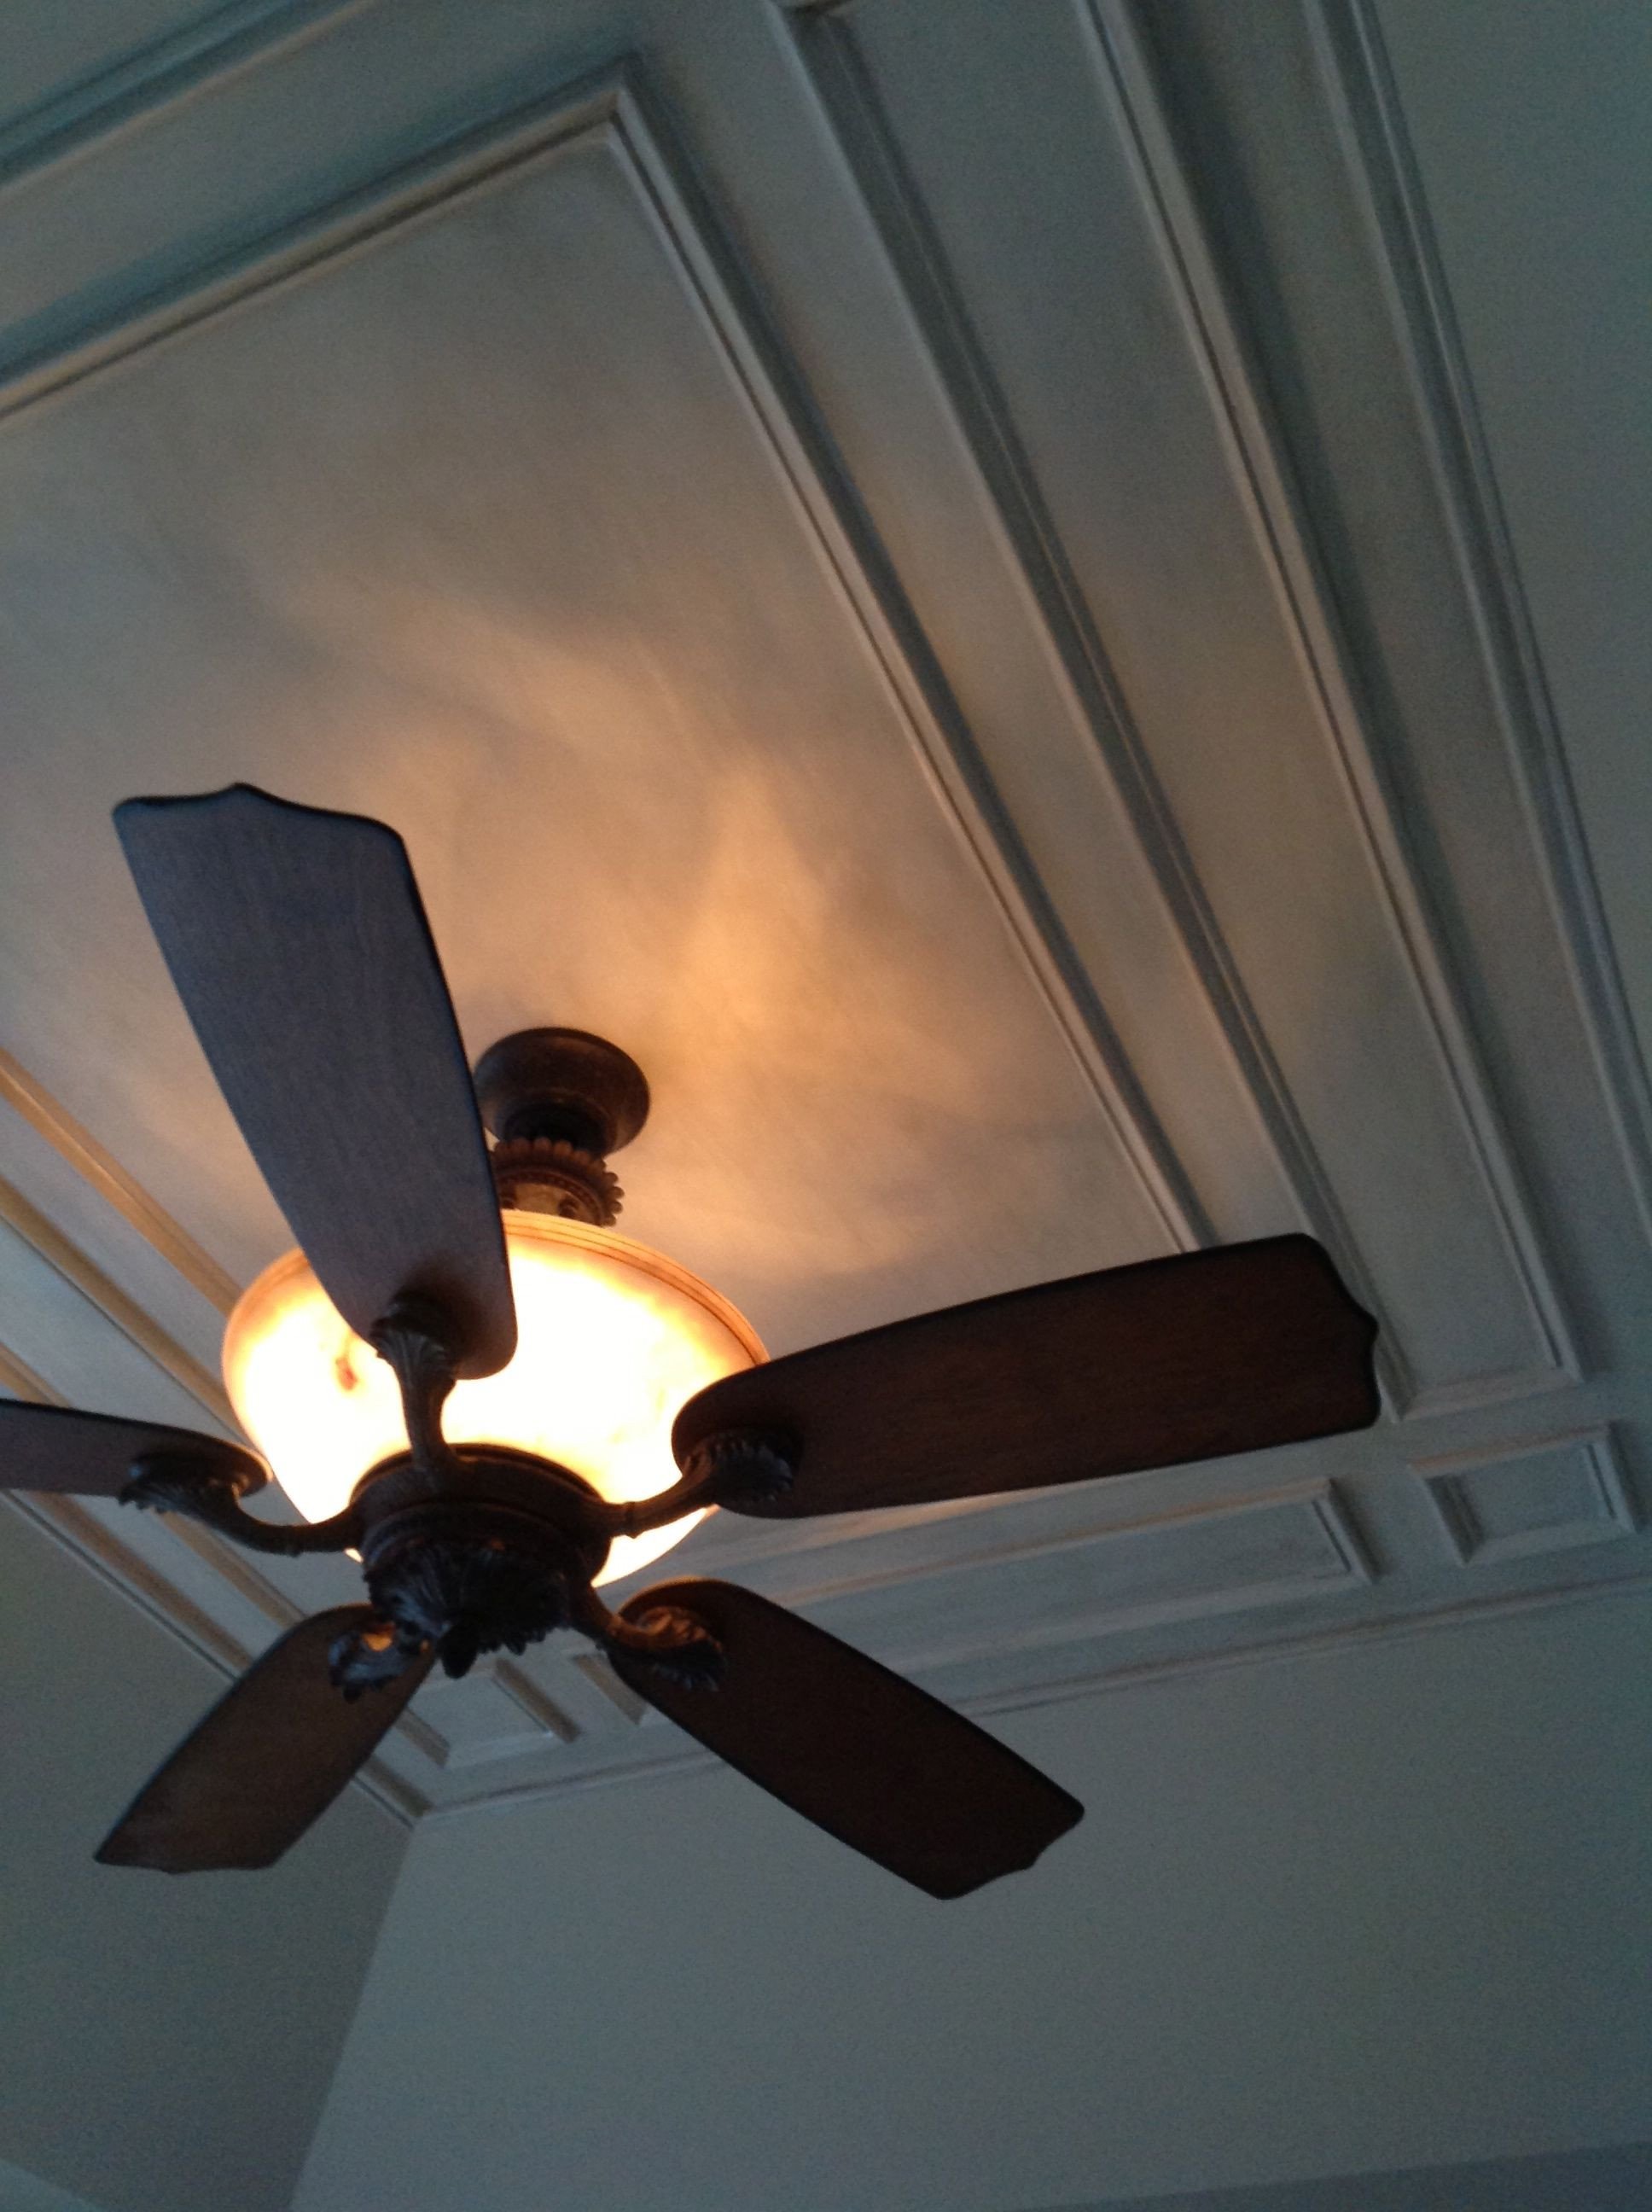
[[934, 572]]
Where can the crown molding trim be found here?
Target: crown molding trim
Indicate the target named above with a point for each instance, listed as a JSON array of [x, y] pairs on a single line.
[[65, 1259], [145, 81], [1279, 1649], [1369, 121], [1263, 474], [853, 109], [103, 1174]]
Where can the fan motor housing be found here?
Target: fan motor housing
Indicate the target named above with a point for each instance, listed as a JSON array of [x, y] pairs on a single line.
[[497, 1559]]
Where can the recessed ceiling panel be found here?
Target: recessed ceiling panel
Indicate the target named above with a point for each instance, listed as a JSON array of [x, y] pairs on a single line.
[[474, 524], [1013, 153]]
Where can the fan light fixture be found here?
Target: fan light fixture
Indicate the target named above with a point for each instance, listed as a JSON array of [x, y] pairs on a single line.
[[466, 1382], [612, 1338]]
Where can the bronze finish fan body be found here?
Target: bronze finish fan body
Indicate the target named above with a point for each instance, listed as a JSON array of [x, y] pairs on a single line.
[[480, 1547], [298, 943]]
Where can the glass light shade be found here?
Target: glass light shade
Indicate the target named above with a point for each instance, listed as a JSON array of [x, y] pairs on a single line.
[[612, 1338]]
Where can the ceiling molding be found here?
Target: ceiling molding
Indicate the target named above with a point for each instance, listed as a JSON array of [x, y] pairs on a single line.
[[831, 43], [1519, 1501], [79, 1531], [1154, 1574], [18, 1380], [517, 1797], [74, 1531], [1004, 1537], [80, 1534], [68, 1261], [495, 1713], [1278, 1650], [849, 98], [1275, 1650], [139, 84], [1364, 101], [103, 1175], [289, 250], [1264, 476]]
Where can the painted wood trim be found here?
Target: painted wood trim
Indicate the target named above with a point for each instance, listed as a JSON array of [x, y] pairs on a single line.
[[853, 109], [102, 1173], [1100, 1682], [145, 81], [1446, 1480], [1365, 107], [1264, 477], [18, 1380], [44, 1237], [841, 1579]]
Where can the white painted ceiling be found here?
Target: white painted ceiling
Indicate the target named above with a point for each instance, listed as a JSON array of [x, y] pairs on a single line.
[[1029, 602]]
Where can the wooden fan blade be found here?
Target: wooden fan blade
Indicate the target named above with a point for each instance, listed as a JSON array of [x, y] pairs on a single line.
[[300, 948], [1179, 1359], [56, 1448], [267, 1760], [862, 1752]]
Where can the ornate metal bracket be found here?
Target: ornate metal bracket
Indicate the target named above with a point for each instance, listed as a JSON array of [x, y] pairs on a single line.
[[468, 1576], [739, 1466], [415, 1341], [210, 1492], [667, 1638]]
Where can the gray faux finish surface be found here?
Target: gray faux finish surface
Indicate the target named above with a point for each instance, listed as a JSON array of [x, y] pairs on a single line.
[[132, 2001], [1319, 1920], [1616, 2180]]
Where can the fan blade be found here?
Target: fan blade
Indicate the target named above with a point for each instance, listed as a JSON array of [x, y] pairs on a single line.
[[56, 1448], [268, 1760], [1179, 1359], [300, 948], [862, 1752]]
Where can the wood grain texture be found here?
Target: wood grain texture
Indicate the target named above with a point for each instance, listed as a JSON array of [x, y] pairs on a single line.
[[1186, 1359], [265, 1763], [863, 1754], [300, 948], [57, 1447]]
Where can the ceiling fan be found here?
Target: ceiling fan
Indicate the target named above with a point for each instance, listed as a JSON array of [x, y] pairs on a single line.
[[298, 943]]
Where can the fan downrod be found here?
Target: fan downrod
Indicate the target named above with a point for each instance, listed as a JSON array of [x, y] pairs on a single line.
[[556, 1102]]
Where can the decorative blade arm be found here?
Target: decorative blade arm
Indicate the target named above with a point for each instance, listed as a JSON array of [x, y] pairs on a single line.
[[207, 1491], [415, 1342], [668, 1640], [736, 1467]]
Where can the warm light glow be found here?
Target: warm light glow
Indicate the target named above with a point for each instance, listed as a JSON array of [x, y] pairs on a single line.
[[612, 1338]]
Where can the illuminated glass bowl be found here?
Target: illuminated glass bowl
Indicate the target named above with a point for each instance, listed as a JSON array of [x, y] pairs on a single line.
[[612, 1339]]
